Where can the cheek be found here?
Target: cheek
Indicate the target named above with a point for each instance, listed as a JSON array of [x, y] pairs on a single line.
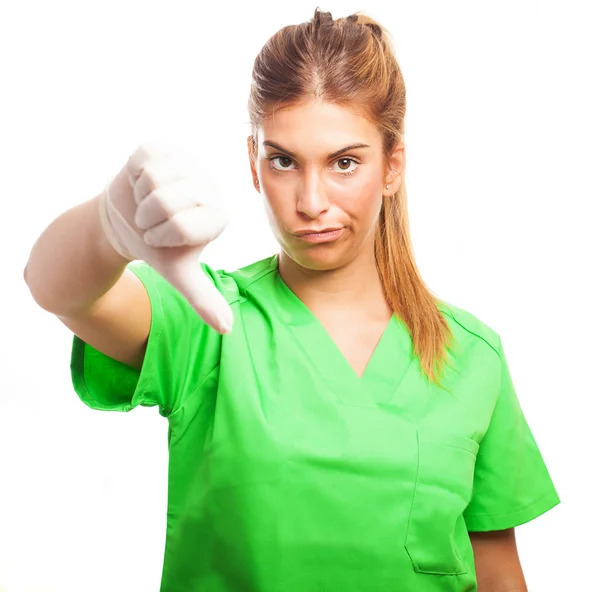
[[274, 203], [277, 209], [366, 201], [270, 191]]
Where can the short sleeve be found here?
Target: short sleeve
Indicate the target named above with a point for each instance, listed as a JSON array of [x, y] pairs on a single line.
[[181, 352], [511, 483]]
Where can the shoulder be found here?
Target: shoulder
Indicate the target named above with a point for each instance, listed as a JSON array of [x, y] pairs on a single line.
[[235, 284], [231, 284], [469, 329], [247, 275]]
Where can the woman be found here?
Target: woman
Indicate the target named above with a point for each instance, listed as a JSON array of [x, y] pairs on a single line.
[[332, 425]]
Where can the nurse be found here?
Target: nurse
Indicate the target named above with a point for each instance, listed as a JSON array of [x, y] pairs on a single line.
[[333, 426]]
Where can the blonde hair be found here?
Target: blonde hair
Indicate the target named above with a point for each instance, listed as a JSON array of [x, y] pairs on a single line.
[[350, 62]]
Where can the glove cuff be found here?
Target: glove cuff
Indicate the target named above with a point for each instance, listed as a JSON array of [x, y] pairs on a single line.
[[106, 210]]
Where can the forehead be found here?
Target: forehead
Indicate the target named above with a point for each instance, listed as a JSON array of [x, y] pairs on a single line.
[[317, 126]]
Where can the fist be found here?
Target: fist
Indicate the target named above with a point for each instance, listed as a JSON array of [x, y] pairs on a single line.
[[163, 208]]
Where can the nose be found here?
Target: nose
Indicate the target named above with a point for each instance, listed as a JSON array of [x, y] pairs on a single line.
[[312, 200]]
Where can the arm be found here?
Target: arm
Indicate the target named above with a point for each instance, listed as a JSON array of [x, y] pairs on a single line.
[[74, 273], [497, 563], [150, 212]]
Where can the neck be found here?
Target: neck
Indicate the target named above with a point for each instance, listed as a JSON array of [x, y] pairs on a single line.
[[352, 289]]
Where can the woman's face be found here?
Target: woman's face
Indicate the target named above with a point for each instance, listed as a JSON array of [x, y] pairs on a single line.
[[313, 181]]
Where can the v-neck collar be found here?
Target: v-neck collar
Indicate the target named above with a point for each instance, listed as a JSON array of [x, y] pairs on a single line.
[[384, 372]]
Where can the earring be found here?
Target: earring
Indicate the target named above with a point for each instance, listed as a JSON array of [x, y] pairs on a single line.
[[387, 186]]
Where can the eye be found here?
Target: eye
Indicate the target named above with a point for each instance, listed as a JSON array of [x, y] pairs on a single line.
[[347, 163], [286, 162], [281, 158]]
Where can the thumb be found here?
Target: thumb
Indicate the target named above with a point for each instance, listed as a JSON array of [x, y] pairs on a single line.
[[185, 274]]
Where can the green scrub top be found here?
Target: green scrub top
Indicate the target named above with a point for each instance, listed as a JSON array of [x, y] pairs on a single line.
[[289, 473]]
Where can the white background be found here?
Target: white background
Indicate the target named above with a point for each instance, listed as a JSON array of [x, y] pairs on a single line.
[[503, 135]]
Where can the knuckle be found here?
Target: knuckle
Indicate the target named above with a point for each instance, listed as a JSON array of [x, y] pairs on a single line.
[[181, 226], [150, 176], [159, 204]]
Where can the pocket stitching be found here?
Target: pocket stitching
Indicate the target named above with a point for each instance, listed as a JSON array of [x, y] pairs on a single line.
[[472, 448]]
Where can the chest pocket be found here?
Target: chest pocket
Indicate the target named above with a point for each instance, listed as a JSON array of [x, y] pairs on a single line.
[[442, 491]]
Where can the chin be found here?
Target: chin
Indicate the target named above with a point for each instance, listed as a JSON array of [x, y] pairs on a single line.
[[319, 258]]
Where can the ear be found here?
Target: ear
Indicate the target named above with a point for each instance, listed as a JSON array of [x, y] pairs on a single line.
[[252, 160], [395, 169]]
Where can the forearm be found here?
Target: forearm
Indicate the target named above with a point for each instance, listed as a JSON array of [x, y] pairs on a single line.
[[72, 265], [501, 583], [497, 562]]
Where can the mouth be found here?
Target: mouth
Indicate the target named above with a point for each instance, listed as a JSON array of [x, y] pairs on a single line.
[[322, 231], [320, 236]]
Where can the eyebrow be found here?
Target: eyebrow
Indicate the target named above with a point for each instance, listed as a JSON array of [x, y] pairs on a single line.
[[330, 156]]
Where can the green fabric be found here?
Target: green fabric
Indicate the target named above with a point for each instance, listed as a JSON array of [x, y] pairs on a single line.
[[288, 473]]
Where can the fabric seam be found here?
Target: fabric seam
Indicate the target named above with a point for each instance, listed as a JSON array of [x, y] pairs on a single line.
[[549, 493]]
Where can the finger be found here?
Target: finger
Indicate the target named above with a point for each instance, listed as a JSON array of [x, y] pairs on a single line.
[[196, 226], [163, 203], [145, 153], [158, 172], [160, 148], [187, 276]]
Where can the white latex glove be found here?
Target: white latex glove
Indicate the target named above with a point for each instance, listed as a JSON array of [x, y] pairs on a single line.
[[162, 208]]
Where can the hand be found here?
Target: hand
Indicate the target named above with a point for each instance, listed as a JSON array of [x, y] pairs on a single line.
[[162, 210]]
